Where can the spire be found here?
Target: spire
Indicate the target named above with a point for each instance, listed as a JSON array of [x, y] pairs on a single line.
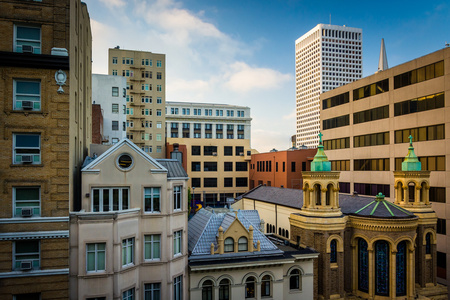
[[382, 62], [411, 162], [320, 162]]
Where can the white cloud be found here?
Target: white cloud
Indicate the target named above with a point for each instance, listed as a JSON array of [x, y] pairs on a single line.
[[244, 78], [113, 3]]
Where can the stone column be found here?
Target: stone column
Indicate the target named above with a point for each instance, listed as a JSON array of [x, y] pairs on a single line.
[[392, 274], [312, 199], [417, 196], [371, 273], [405, 194], [410, 274], [323, 197]]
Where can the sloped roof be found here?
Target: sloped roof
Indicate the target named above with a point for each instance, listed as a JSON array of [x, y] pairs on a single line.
[[349, 204], [380, 208], [174, 167]]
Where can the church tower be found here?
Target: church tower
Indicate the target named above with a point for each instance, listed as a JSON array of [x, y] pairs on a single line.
[[412, 187], [320, 224]]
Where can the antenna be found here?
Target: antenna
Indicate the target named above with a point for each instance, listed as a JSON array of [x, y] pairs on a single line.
[[447, 44]]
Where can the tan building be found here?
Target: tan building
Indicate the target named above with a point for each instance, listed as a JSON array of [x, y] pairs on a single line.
[[366, 125], [45, 67], [146, 96], [130, 238], [215, 141]]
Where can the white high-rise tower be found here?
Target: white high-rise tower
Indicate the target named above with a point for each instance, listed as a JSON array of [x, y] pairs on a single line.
[[326, 57]]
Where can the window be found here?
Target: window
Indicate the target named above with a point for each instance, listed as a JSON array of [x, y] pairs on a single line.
[[419, 104], [239, 151], [152, 247], [110, 199], [128, 252], [209, 150], [27, 95], [26, 255], [130, 111], [380, 164], [177, 247], [219, 113], [115, 125], [230, 113], [426, 133], [158, 137], [241, 181], [228, 182], [158, 63], [114, 60], [177, 197], [158, 113], [195, 150], [115, 91], [27, 39], [196, 182], [374, 139], [371, 89], [429, 163], [335, 101], [293, 166], [294, 280], [228, 166], [371, 189], [242, 244], [209, 182], [373, 114], [284, 166], [158, 88], [339, 165], [158, 124], [128, 294], [333, 251], [228, 150], [441, 226], [228, 245], [441, 260], [241, 166], [418, 75], [158, 75], [95, 257], [152, 291], [27, 201], [224, 289], [210, 166], [437, 194], [336, 122], [207, 290], [114, 72], [27, 148], [152, 197], [265, 286], [37, 296], [178, 288], [250, 284]]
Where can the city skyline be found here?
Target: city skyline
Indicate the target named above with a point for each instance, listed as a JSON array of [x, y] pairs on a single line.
[[231, 56]]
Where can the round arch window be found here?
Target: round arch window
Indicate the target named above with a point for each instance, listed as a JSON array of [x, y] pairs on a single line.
[[125, 161]]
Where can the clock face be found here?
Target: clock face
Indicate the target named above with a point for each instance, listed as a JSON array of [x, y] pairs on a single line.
[[61, 77]]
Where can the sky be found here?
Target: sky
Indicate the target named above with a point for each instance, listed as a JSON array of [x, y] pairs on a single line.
[[242, 52]]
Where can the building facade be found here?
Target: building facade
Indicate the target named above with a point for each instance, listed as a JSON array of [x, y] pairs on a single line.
[[280, 168], [145, 73], [216, 139], [326, 57], [110, 93], [365, 135], [129, 241], [231, 258], [45, 91]]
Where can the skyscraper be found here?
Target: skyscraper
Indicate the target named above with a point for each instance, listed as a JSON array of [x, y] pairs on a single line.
[[146, 96], [326, 57]]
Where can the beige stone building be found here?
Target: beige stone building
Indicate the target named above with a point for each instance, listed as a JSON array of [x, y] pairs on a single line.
[[214, 140], [146, 96], [45, 67], [366, 125], [130, 237]]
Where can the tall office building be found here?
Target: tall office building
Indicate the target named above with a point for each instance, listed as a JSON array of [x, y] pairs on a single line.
[[45, 99], [326, 57], [146, 96]]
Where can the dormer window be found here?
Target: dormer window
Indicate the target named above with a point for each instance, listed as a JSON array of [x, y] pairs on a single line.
[[228, 245], [242, 244], [27, 39]]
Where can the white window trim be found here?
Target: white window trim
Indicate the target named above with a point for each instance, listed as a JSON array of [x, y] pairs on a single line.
[[151, 211], [14, 260], [177, 239], [111, 204], [150, 244], [14, 200], [33, 41], [130, 242], [177, 198], [96, 251], [34, 95], [14, 148]]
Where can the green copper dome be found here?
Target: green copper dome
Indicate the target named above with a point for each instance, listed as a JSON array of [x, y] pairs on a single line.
[[411, 162], [320, 162]]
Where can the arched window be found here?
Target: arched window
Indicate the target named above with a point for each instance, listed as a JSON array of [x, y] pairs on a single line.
[[283, 232], [363, 266], [382, 268], [266, 283], [242, 244], [411, 191], [329, 194], [287, 233], [228, 245], [428, 243], [400, 266], [207, 290], [250, 284], [318, 194], [333, 251], [224, 289], [294, 280], [268, 228], [279, 231]]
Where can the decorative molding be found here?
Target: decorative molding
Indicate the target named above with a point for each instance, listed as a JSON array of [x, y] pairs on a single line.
[[34, 220], [30, 235], [15, 274], [383, 224]]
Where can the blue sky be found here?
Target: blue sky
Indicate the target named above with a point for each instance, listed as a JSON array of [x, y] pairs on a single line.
[[242, 52]]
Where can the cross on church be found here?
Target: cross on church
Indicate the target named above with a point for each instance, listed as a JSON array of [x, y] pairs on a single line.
[[320, 137], [410, 139]]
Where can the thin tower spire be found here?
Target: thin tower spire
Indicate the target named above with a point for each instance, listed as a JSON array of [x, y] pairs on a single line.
[[382, 62]]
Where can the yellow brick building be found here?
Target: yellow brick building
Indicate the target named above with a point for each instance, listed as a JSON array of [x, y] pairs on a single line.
[[45, 67]]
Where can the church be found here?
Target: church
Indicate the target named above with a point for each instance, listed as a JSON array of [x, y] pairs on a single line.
[[368, 247]]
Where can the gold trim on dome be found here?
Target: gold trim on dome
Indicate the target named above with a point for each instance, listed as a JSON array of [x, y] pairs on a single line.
[[383, 224]]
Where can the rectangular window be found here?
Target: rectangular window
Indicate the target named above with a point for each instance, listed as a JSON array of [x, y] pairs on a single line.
[[209, 182], [241, 166], [178, 288], [371, 89], [228, 166], [293, 166], [284, 166], [158, 64], [27, 201], [27, 95], [437, 194], [27, 148], [128, 252], [336, 122], [419, 134], [219, 113], [158, 87], [177, 197], [114, 60], [340, 165], [209, 150], [152, 291], [228, 150], [419, 104], [418, 75], [95, 257], [26, 255], [152, 196], [241, 181], [373, 114], [374, 139], [196, 182], [380, 164], [177, 246], [441, 265], [429, 163], [371, 189], [441, 226], [27, 39], [114, 72], [239, 151], [115, 108], [110, 199], [152, 247], [335, 101], [341, 143], [195, 150], [210, 166], [115, 125], [158, 100], [158, 112], [115, 91], [195, 166], [228, 182], [158, 75], [128, 294]]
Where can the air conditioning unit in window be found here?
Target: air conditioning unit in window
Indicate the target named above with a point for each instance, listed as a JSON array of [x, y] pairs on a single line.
[[27, 105], [27, 49], [241, 153], [27, 159], [27, 212], [26, 265], [214, 153]]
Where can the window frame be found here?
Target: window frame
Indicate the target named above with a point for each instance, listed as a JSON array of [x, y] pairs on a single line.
[[15, 148], [152, 243], [177, 193], [15, 206], [227, 246], [128, 243], [177, 243], [96, 252], [111, 198], [152, 194], [151, 288], [16, 94], [27, 40], [178, 287], [36, 262]]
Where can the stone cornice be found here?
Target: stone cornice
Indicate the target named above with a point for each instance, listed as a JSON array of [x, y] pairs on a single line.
[[373, 224]]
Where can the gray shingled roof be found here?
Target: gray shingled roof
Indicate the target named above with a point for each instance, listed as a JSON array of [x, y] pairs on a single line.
[[174, 167], [349, 204], [204, 225]]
